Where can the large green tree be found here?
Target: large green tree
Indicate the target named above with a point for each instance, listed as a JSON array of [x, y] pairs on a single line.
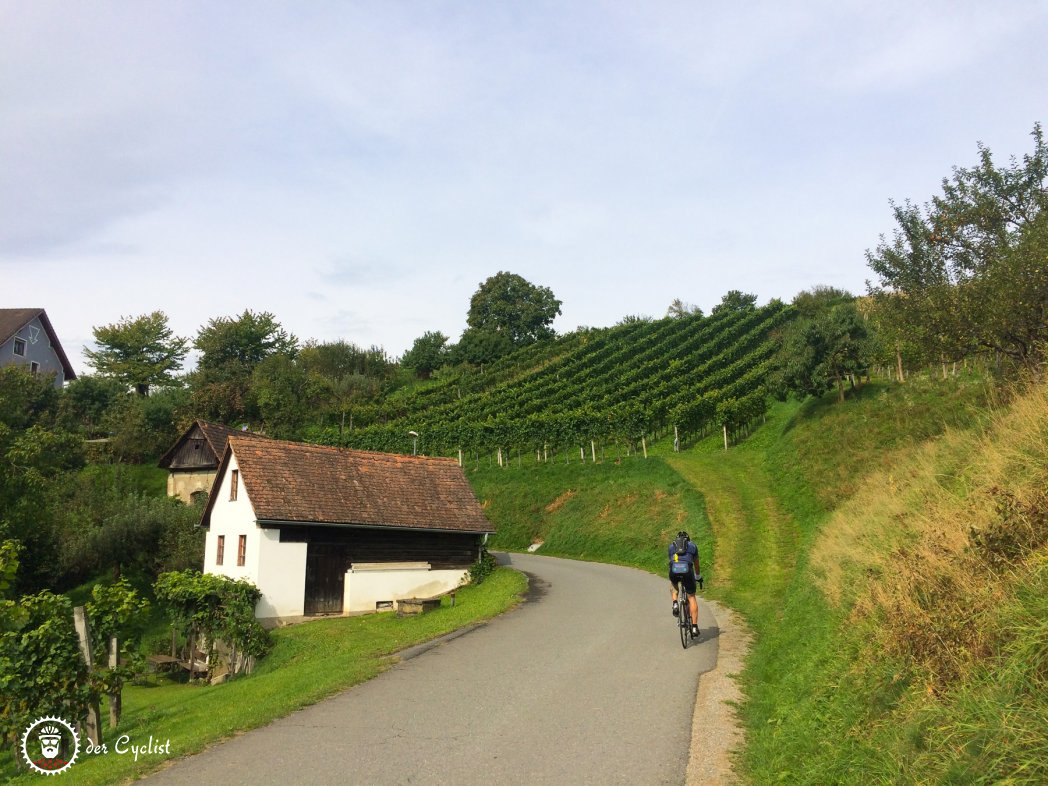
[[827, 344], [140, 351], [735, 300], [965, 272], [508, 305], [231, 348], [427, 354]]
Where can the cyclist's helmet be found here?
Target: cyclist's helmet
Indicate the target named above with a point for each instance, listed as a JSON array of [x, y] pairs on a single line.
[[683, 534]]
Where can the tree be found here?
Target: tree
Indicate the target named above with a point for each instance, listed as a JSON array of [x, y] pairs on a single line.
[[822, 349], [427, 354], [141, 429], [140, 352], [510, 306], [286, 395], [678, 309], [86, 401], [231, 348], [966, 273], [336, 359], [242, 342], [346, 392], [479, 346], [735, 300]]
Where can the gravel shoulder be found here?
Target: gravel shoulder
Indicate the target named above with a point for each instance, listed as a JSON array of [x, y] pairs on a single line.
[[716, 734]]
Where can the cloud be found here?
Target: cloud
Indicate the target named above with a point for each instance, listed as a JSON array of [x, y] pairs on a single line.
[[350, 272]]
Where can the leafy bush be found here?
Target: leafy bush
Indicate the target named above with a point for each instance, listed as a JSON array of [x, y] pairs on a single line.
[[205, 607], [483, 567]]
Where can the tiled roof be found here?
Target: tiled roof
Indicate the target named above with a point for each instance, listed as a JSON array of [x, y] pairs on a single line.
[[215, 435], [297, 482], [14, 319]]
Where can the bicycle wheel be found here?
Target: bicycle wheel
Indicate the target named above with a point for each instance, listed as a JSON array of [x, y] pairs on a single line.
[[684, 618]]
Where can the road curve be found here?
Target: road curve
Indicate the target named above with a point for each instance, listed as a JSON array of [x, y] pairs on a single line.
[[585, 681]]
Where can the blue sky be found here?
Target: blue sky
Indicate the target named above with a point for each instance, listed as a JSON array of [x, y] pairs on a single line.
[[358, 168]]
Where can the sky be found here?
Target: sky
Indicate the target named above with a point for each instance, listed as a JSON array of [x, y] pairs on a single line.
[[359, 168]]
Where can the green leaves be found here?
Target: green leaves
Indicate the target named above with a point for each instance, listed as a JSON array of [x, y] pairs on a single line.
[[616, 384], [140, 351], [966, 273], [509, 306], [214, 606]]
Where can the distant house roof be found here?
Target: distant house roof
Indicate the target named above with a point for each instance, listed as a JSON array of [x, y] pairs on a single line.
[[292, 482], [214, 434], [14, 319]]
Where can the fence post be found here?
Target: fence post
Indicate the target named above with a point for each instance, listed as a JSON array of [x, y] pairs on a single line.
[[93, 725]]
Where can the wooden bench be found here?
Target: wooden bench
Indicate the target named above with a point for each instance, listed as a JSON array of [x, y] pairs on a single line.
[[409, 606], [162, 662]]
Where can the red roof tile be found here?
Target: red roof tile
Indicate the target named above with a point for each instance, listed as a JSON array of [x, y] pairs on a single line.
[[297, 482]]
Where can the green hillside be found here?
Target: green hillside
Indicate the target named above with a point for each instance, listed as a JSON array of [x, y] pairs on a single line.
[[612, 386], [889, 553]]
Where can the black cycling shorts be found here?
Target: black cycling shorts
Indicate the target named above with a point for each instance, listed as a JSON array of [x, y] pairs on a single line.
[[688, 579]]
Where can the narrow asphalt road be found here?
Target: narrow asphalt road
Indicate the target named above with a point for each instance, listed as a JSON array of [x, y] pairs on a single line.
[[587, 681]]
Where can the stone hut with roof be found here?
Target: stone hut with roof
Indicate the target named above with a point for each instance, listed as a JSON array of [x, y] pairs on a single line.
[[324, 530], [192, 462]]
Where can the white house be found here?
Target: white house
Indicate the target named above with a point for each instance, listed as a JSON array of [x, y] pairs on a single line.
[[325, 530]]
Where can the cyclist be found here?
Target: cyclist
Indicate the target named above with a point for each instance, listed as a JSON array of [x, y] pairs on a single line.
[[684, 567]]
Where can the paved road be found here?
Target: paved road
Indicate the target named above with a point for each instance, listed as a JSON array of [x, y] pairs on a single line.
[[587, 682]]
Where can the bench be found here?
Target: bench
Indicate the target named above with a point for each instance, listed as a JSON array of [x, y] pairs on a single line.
[[409, 606]]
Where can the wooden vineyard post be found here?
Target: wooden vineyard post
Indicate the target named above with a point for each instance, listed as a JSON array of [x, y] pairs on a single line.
[[93, 725], [676, 440], [593, 451], [115, 703], [725, 436], [644, 445], [582, 454], [460, 457]]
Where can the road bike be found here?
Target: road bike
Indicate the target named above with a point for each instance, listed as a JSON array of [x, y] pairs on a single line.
[[684, 612]]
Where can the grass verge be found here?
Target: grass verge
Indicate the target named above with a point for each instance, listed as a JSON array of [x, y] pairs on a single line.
[[308, 663]]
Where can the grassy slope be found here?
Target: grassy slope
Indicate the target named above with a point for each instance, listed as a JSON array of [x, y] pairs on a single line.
[[809, 521], [614, 512], [309, 662]]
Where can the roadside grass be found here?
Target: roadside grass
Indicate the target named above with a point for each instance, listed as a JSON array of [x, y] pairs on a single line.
[[847, 535], [308, 663], [907, 652], [623, 511]]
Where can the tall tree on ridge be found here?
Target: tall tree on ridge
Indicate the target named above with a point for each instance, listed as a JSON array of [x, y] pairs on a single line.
[[141, 351]]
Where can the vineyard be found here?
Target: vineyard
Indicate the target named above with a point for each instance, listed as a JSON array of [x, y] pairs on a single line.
[[623, 386]]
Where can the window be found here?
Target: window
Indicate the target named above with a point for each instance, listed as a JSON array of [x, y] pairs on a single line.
[[20, 347], [34, 367], [234, 480], [242, 550], [220, 552]]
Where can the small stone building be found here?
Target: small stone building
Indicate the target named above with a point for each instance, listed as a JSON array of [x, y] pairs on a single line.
[[192, 462]]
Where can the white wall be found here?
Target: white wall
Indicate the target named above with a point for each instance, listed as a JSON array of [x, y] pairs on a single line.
[[369, 583], [233, 518], [282, 576]]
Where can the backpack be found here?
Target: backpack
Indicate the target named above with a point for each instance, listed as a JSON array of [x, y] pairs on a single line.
[[680, 546]]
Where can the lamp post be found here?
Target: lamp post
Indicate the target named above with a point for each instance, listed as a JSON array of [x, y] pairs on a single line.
[[414, 442]]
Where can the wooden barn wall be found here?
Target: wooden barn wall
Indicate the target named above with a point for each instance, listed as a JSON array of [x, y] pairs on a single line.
[[443, 550], [194, 452]]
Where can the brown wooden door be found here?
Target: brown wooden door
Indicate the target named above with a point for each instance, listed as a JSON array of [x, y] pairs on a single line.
[[325, 578]]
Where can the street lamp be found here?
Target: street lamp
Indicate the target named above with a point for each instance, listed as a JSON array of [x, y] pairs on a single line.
[[414, 442]]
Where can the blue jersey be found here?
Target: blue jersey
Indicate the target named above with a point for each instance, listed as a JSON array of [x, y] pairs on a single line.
[[689, 557]]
